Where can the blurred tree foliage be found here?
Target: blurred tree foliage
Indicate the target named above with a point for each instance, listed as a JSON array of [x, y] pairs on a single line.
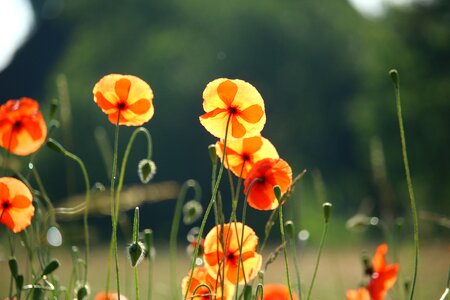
[[321, 68]]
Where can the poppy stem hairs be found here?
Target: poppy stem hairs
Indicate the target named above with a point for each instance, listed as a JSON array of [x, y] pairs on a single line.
[[395, 78]]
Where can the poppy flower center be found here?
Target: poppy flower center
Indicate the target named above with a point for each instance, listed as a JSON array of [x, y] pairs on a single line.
[[5, 205], [121, 105], [246, 157], [232, 110], [231, 258], [17, 125]]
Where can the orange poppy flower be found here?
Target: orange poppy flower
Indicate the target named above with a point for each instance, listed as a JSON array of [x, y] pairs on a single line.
[[242, 154], [277, 292], [16, 208], [266, 174], [359, 294], [383, 276], [127, 96], [201, 276], [215, 254], [235, 100], [22, 127], [109, 296]]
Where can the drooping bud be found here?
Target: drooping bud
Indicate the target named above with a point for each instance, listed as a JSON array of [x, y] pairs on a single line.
[[50, 267], [247, 292], [277, 192], [55, 146], [192, 211], [13, 267], [146, 170], [82, 292], [358, 222], [148, 240]]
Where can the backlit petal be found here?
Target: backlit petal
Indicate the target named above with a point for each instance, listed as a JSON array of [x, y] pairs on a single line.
[[122, 88]]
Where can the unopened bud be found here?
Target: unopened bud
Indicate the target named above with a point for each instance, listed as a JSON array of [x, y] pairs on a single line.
[[82, 292], [358, 222], [148, 240], [55, 146], [51, 266], [247, 292], [212, 153], [13, 267], [146, 170], [53, 107], [277, 192], [290, 229], [135, 253], [327, 211], [192, 211], [19, 282]]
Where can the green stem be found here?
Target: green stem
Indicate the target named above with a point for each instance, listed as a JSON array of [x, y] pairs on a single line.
[[136, 241], [395, 78], [283, 241], [50, 207], [208, 209], [116, 194], [174, 229], [297, 271], [114, 212], [322, 242]]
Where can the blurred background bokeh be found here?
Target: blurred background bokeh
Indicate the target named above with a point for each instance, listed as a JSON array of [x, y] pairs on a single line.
[[321, 67]]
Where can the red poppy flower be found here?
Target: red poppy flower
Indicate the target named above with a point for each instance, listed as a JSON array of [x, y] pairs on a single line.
[[277, 292], [235, 100], [201, 276], [16, 209], [360, 294], [109, 296], [242, 154], [265, 175], [215, 253], [383, 276], [127, 96], [22, 127]]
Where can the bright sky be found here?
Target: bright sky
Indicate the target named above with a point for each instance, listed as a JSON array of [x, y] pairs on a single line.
[[16, 22]]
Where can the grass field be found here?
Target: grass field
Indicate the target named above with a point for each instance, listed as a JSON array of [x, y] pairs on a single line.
[[340, 269]]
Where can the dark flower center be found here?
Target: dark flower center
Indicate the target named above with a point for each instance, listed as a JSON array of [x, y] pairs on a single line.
[[17, 125], [231, 258], [232, 110], [121, 105], [245, 157], [5, 205]]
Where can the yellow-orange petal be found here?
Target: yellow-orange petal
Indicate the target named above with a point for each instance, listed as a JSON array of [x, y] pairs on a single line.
[[22, 126], [277, 292], [109, 296], [127, 95], [262, 178], [239, 102], [201, 276], [242, 154], [360, 294], [17, 209]]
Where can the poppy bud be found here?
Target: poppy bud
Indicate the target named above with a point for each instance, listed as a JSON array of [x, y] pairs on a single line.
[[135, 253], [327, 211], [53, 107], [55, 146], [19, 282], [368, 269], [82, 292], [212, 153], [394, 75], [247, 292], [192, 211], [290, 229], [148, 240], [358, 222], [146, 170], [13, 267], [37, 292], [277, 191], [51, 266]]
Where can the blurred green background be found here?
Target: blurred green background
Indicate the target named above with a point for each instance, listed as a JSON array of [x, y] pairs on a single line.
[[322, 69], [321, 66]]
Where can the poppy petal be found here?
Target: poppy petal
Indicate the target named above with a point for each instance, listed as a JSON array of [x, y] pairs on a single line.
[[4, 191], [252, 114], [105, 104], [20, 201], [34, 129], [7, 220], [237, 129], [140, 107], [122, 88], [227, 91]]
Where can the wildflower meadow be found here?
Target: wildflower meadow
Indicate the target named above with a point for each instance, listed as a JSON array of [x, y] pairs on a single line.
[[262, 225]]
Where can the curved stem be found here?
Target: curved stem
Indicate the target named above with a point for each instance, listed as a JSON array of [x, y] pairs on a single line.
[[174, 229], [116, 194], [395, 78], [322, 242]]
